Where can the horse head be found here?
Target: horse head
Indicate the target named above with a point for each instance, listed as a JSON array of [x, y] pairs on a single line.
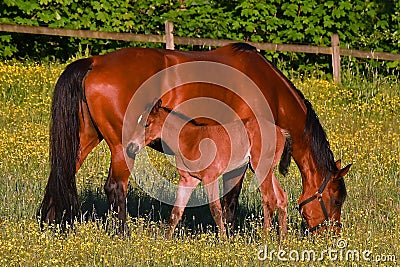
[[322, 209], [148, 128]]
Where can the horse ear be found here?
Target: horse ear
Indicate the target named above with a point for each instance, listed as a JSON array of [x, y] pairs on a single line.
[[159, 103], [338, 164], [155, 105], [343, 172]]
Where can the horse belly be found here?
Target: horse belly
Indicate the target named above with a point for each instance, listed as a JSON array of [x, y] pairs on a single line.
[[238, 164], [237, 140]]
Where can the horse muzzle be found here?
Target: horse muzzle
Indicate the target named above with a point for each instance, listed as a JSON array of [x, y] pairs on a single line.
[[132, 149]]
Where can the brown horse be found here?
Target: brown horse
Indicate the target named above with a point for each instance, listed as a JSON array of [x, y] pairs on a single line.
[[236, 144], [92, 97]]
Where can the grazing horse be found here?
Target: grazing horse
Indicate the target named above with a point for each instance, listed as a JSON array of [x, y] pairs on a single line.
[[236, 144], [92, 97]]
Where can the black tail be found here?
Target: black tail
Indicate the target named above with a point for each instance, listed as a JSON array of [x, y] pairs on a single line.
[[286, 155], [60, 203]]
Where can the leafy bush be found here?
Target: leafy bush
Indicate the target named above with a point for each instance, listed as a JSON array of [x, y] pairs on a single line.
[[361, 24]]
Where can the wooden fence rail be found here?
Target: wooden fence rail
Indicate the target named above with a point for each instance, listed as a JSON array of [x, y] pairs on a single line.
[[170, 40]]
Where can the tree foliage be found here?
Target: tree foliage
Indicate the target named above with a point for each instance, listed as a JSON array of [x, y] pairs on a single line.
[[361, 24]]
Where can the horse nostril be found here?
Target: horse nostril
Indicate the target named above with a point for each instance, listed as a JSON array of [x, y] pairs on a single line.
[[132, 150]]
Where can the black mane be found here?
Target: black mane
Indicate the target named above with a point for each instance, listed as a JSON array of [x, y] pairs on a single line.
[[320, 147], [315, 134], [313, 131], [243, 47], [183, 116]]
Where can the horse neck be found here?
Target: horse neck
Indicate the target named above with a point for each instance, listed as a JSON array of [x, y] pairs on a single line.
[[312, 153], [306, 163], [311, 150], [173, 127]]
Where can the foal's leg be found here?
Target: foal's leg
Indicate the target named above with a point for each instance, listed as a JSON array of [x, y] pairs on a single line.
[[282, 202], [186, 186], [212, 189], [232, 184], [117, 184]]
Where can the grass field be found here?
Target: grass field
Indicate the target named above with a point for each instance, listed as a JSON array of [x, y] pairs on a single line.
[[362, 123]]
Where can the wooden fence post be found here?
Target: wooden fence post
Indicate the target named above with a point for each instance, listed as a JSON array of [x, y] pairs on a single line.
[[335, 58], [169, 35]]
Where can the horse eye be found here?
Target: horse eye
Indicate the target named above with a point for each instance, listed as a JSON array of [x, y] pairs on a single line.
[[337, 203], [146, 125]]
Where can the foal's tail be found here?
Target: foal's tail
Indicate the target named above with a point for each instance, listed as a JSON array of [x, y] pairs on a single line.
[[287, 153], [60, 203]]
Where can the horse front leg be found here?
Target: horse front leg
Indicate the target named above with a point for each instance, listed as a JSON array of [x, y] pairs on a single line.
[[269, 202], [282, 202], [186, 186]]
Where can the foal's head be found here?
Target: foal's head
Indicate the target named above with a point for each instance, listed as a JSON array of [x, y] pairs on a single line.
[[148, 128]]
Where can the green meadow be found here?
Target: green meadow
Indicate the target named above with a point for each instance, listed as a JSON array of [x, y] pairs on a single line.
[[361, 118]]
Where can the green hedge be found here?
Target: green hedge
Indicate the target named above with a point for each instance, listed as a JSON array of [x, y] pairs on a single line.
[[361, 24]]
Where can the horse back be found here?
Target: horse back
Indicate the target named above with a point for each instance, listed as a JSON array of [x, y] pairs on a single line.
[[118, 76]]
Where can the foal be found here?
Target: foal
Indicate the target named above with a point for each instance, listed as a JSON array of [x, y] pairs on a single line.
[[223, 154]]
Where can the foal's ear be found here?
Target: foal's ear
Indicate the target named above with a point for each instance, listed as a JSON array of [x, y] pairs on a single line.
[[158, 104], [155, 105]]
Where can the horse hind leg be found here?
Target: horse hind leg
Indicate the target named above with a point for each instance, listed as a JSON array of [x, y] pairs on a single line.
[[89, 136], [232, 185], [215, 205], [116, 186]]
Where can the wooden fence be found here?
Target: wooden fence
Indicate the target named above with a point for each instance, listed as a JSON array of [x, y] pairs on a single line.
[[170, 40]]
